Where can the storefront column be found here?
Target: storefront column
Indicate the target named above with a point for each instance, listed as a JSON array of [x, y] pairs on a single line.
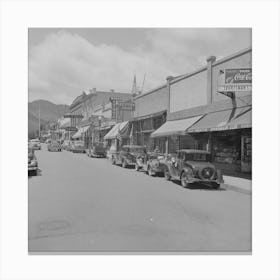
[[166, 146], [210, 60]]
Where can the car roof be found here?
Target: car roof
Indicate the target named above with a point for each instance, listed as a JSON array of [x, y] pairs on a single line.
[[194, 151], [132, 146]]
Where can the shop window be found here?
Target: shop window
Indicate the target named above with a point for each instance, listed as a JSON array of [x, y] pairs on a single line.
[[227, 149], [146, 124], [186, 142]]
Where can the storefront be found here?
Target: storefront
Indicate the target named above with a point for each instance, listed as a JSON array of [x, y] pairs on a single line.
[[227, 134], [118, 136], [144, 126]]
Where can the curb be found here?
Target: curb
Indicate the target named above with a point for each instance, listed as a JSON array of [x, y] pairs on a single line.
[[237, 189]]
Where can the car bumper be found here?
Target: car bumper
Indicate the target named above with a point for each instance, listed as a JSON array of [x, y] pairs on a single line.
[[205, 181], [32, 168], [130, 163], [78, 150], [157, 169]]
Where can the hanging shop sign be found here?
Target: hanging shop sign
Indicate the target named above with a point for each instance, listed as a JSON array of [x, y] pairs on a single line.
[[71, 128], [232, 80], [73, 116], [119, 106], [126, 105]]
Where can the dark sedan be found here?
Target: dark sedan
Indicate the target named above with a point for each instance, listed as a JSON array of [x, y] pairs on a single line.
[[32, 162], [192, 166], [127, 155]]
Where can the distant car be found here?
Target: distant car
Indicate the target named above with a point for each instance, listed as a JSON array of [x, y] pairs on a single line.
[[78, 147], [48, 141], [32, 162], [54, 146], [192, 166], [66, 145], [127, 155], [35, 144], [150, 163], [154, 165], [97, 150]]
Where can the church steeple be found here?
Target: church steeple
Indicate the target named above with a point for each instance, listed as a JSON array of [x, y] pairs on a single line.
[[134, 86]]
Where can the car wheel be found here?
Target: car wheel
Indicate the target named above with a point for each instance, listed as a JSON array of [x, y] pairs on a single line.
[[150, 172], [136, 167], [184, 180], [167, 175], [124, 164]]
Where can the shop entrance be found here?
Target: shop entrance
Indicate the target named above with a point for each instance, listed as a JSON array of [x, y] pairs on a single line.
[[231, 151]]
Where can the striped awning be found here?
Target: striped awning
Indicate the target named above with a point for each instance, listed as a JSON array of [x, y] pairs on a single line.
[[116, 129], [224, 120], [80, 131]]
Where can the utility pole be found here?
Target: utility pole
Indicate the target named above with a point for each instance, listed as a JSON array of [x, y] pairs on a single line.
[[39, 120]]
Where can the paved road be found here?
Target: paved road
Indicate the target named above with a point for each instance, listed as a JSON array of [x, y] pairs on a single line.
[[83, 204]]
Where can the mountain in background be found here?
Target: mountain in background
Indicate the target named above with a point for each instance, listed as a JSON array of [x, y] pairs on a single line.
[[49, 112]]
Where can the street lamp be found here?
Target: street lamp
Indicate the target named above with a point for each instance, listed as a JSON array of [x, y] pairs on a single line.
[[99, 125]]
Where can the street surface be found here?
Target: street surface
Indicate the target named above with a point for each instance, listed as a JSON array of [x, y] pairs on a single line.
[[82, 204]]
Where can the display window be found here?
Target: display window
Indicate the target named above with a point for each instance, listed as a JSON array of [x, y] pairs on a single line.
[[227, 148]]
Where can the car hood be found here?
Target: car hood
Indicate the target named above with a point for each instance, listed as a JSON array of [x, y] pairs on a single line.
[[199, 164]]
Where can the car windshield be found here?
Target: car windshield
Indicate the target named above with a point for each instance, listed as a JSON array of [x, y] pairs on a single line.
[[54, 143], [196, 157], [134, 149]]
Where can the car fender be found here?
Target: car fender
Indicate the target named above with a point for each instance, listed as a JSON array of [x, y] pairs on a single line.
[[165, 165], [186, 170]]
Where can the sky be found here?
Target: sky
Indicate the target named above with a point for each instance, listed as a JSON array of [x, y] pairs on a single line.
[[65, 62]]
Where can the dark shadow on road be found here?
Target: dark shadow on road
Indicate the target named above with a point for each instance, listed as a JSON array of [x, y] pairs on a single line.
[[202, 187], [32, 174]]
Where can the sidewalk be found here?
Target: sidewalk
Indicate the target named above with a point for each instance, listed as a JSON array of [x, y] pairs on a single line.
[[238, 184]]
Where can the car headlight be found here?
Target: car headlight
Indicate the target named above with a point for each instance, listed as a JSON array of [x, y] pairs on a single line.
[[34, 162]]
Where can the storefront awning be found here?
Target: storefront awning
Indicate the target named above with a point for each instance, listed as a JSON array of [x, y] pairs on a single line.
[[177, 127], [117, 128], [224, 120], [81, 130]]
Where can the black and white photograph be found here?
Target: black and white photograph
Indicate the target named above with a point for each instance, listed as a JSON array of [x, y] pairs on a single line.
[[140, 140]]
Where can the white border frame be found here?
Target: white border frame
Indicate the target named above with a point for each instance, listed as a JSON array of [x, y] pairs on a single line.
[[17, 16]]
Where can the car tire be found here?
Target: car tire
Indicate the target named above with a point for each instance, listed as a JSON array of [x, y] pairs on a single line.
[[167, 175], [137, 167], [124, 164], [150, 173], [184, 182]]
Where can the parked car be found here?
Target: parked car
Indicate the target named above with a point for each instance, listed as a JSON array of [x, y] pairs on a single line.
[[66, 145], [192, 166], [150, 163], [32, 162], [127, 155], [54, 146], [97, 150], [78, 147], [48, 141], [35, 144]]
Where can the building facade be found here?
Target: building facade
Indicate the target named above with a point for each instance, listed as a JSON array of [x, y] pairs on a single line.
[[95, 113], [211, 109], [150, 113]]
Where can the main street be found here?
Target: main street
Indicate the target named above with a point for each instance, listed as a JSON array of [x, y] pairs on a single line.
[[80, 204]]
